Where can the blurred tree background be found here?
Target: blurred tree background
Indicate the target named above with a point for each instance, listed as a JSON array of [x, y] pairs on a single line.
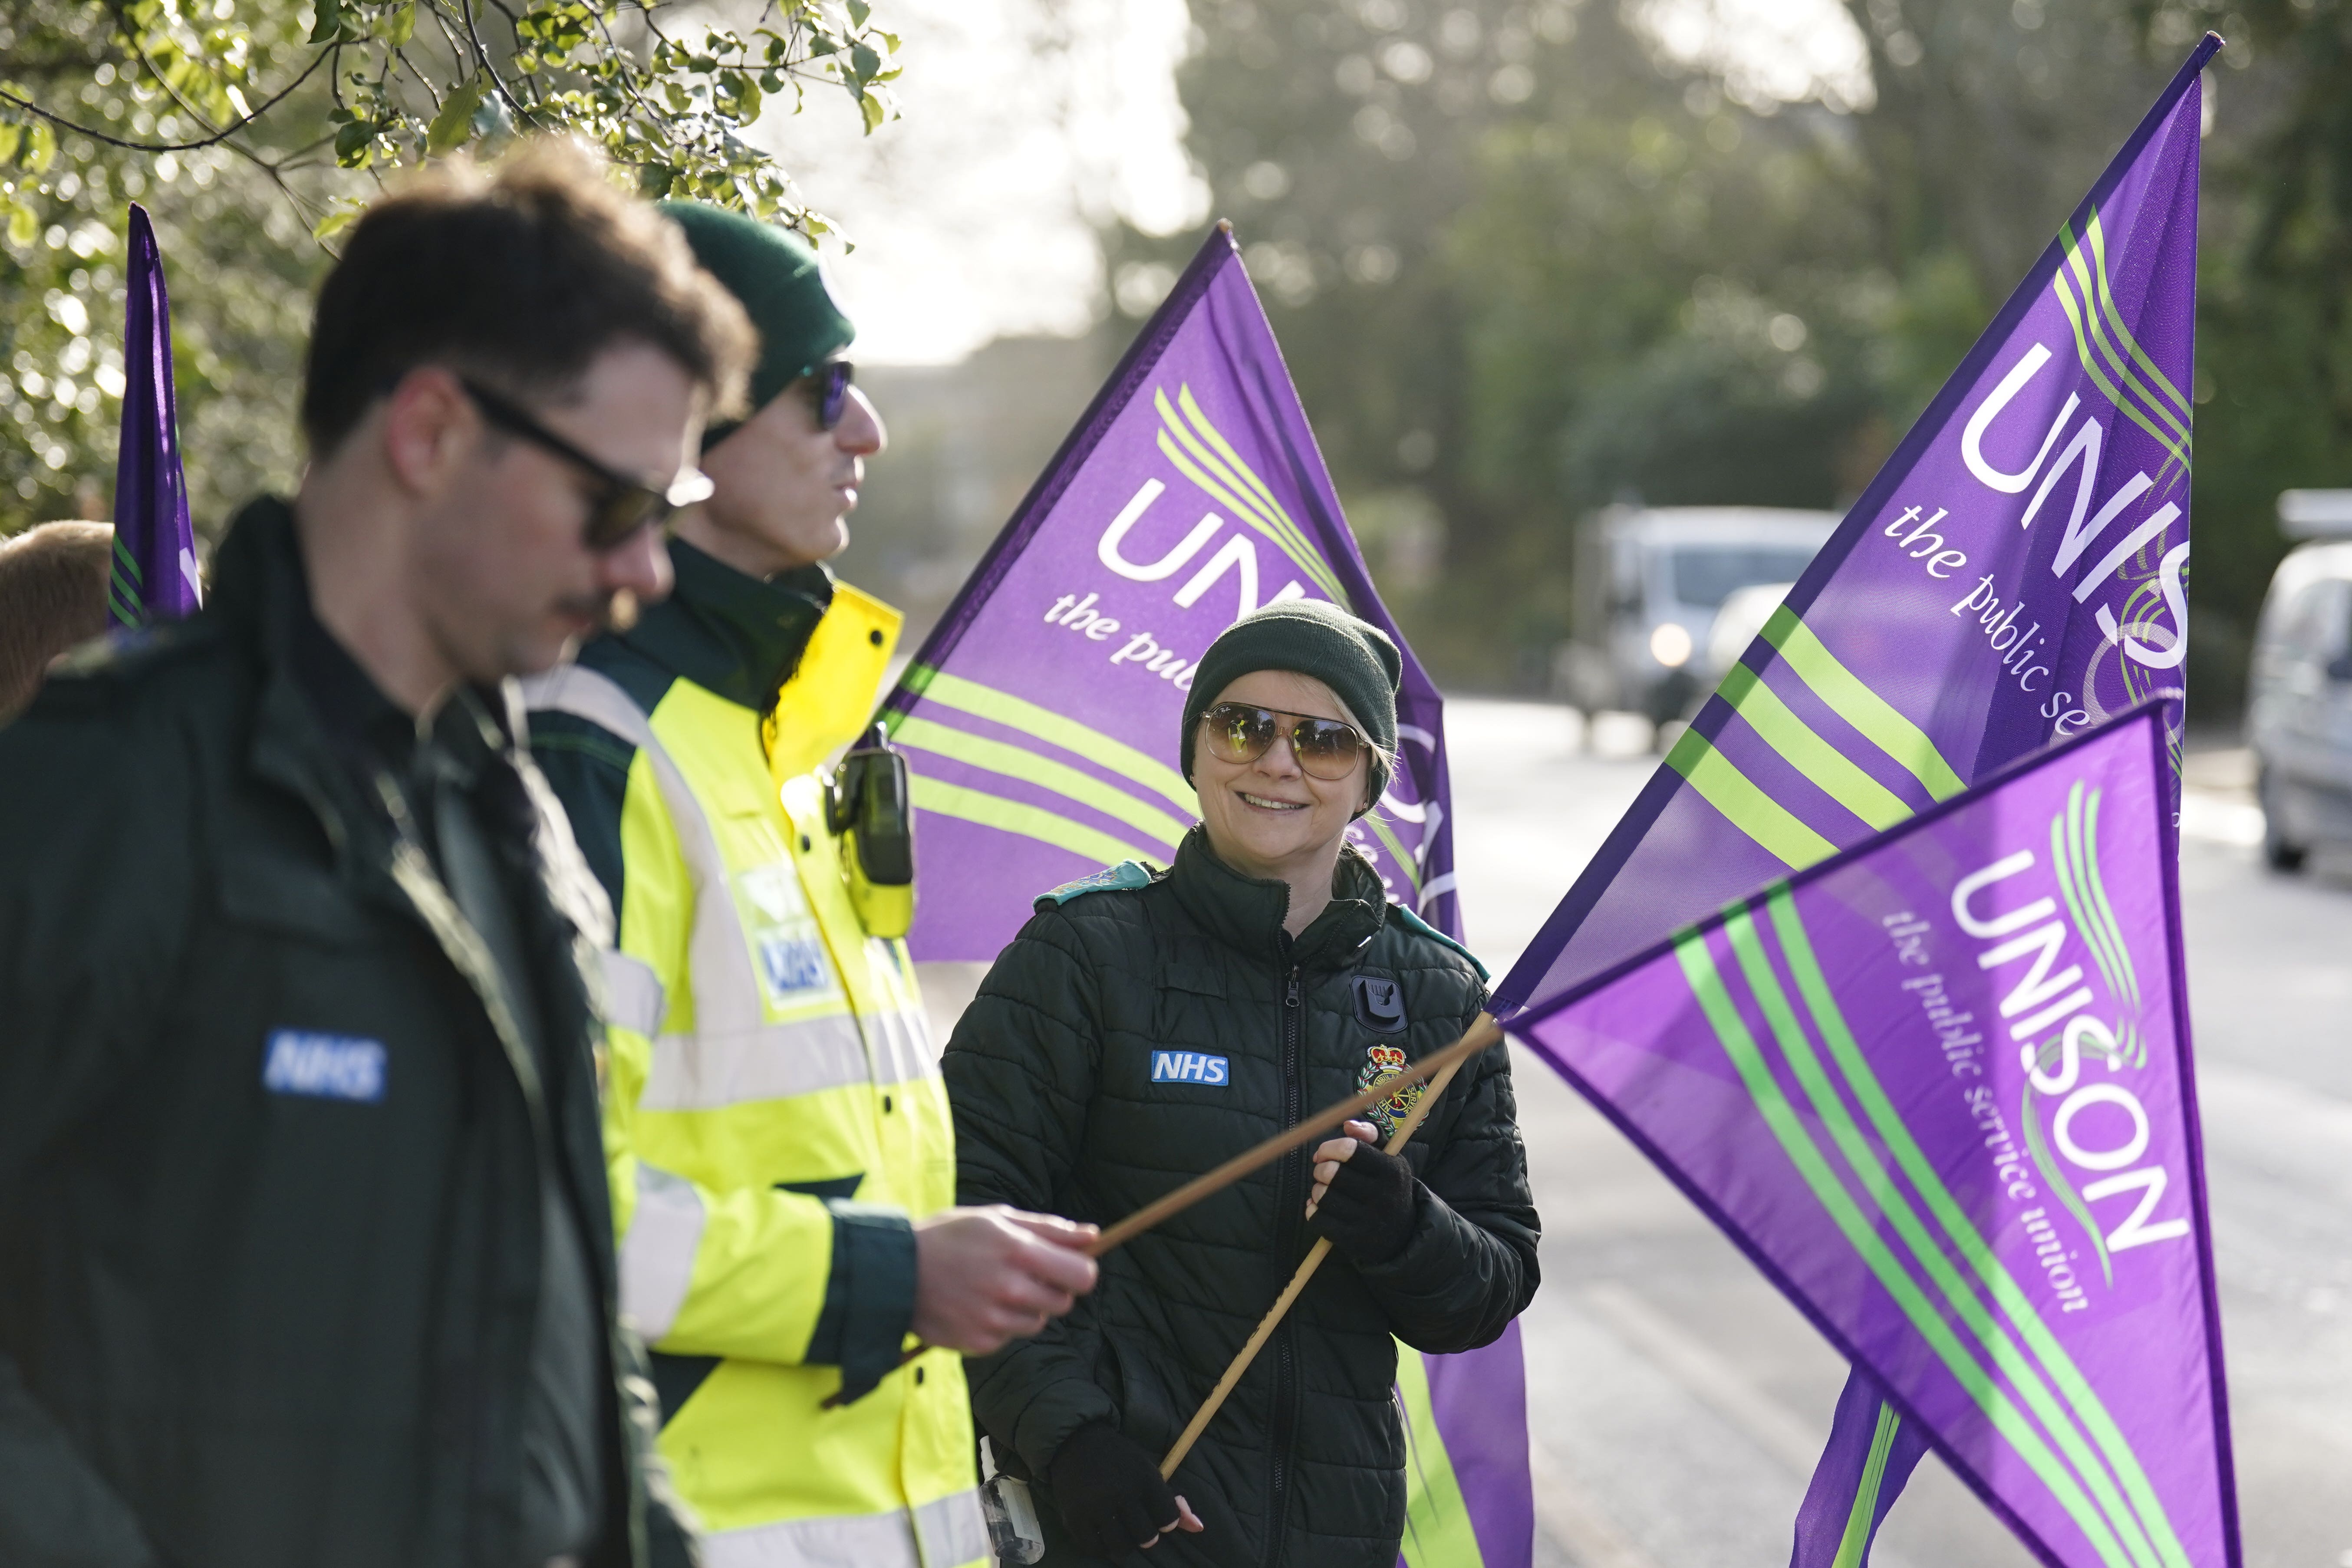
[[1527, 257], [253, 130]]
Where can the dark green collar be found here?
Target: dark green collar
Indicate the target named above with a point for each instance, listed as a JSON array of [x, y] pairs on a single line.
[[1247, 913], [731, 633]]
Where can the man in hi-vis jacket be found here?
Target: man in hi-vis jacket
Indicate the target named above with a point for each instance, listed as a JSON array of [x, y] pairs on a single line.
[[782, 1156]]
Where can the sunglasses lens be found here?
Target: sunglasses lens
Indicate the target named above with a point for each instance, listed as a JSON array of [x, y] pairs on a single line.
[[1325, 749], [833, 392], [621, 514], [1240, 734]]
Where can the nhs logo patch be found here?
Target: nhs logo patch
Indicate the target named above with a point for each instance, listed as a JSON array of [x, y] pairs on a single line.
[[1188, 1066], [323, 1067]]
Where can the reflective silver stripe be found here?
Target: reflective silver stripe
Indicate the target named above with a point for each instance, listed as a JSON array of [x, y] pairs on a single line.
[[634, 998], [952, 1531], [726, 991], [735, 1054], [657, 1255], [839, 1540], [773, 1061]]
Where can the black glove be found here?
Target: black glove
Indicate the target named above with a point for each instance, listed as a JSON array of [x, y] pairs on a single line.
[[1110, 1491], [1369, 1208]]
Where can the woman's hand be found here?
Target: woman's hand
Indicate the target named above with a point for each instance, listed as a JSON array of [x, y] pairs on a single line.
[[1328, 1155], [1364, 1200], [1111, 1495]]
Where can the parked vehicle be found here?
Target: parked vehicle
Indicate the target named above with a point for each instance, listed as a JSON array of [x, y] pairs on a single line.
[[2299, 699], [1649, 584]]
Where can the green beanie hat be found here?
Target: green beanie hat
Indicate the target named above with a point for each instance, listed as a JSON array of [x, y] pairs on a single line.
[[776, 278], [1354, 658]]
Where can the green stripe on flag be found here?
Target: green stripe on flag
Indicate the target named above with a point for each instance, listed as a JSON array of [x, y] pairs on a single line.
[[1723, 787], [1236, 486], [1731, 1032], [1406, 866], [1805, 967], [1808, 752], [1858, 705], [1437, 1530], [2107, 307], [1029, 821], [1992, 1338], [1043, 723], [2076, 312], [2107, 914], [1856, 1539], [998, 757], [2099, 318]]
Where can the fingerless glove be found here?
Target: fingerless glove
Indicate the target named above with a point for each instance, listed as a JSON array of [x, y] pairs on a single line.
[[1370, 1206], [1110, 1491]]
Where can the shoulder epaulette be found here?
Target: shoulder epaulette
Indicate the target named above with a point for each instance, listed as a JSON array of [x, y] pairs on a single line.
[[1413, 922], [1126, 876]]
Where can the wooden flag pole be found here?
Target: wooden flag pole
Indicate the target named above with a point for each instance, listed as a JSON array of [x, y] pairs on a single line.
[[1314, 1260], [1438, 1065]]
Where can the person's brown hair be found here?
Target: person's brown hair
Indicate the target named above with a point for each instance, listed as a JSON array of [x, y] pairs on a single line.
[[522, 275], [52, 595]]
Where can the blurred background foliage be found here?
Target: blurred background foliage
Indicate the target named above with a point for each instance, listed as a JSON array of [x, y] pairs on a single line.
[[1526, 258], [254, 130]]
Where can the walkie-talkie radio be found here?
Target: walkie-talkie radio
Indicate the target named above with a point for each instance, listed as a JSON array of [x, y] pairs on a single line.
[[869, 804]]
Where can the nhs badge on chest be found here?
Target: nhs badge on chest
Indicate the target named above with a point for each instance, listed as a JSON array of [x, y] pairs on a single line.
[[795, 967], [1188, 1067], [312, 1065]]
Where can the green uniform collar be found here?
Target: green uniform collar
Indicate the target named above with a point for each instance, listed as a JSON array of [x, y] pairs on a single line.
[[1247, 913], [728, 632]]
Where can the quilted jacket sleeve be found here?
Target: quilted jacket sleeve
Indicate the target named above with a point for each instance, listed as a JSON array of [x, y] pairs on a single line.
[[1020, 1071], [1471, 1266]]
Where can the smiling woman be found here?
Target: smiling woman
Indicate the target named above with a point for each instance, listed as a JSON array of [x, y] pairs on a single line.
[[1146, 1025]]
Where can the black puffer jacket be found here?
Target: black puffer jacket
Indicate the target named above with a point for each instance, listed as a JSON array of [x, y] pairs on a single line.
[[247, 1319], [1052, 1073]]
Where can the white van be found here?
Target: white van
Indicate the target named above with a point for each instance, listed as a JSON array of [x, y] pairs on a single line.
[[1649, 582], [2299, 697]]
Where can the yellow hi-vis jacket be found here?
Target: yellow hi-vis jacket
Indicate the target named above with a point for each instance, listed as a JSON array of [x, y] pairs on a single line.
[[775, 1112]]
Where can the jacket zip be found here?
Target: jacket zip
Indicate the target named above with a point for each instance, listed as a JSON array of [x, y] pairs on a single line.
[[1291, 1204]]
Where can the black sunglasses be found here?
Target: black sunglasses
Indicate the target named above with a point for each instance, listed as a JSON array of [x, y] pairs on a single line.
[[624, 505], [1324, 747], [829, 385]]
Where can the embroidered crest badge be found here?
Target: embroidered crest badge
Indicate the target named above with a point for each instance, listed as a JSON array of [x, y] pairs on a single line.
[[1381, 1064]]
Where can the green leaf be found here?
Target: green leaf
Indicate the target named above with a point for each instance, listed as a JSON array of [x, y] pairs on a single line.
[[334, 222], [402, 25], [864, 62], [351, 140], [871, 105], [456, 122], [858, 11], [329, 22], [24, 227]]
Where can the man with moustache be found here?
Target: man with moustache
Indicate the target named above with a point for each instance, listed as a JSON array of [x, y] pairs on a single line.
[[784, 1157], [305, 1247]]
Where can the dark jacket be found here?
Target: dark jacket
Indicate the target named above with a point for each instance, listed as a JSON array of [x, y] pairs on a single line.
[[1052, 1072], [244, 1323]]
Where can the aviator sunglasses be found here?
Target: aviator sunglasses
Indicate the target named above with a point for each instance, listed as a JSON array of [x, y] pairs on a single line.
[[622, 505], [1325, 748], [829, 385]]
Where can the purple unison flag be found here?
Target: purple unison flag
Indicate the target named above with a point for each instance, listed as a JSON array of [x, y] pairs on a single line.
[[1939, 1088], [1041, 717], [1041, 722], [2012, 575], [154, 548]]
